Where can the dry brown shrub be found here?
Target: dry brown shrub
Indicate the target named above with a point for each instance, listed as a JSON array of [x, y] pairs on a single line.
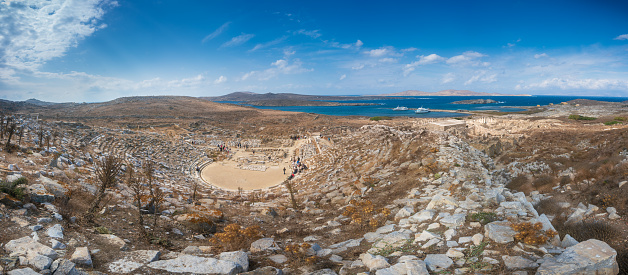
[[235, 237], [298, 254], [363, 213], [532, 233]]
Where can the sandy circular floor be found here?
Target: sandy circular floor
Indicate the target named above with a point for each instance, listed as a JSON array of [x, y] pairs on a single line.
[[226, 176]]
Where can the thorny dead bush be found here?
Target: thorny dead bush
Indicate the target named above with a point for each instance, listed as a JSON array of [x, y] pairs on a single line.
[[236, 237], [363, 213], [529, 233], [583, 231], [75, 203], [517, 183], [549, 206]]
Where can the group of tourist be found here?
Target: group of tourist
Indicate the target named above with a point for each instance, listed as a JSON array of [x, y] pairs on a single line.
[[296, 165], [224, 148]]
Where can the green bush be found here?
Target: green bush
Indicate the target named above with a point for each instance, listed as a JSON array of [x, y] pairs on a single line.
[[612, 122], [579, 117], [620, 118], [378, 118], [12, 188], [103, 230], [483, 217]]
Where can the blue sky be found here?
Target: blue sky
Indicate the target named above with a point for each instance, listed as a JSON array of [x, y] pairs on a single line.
[[97, 50]]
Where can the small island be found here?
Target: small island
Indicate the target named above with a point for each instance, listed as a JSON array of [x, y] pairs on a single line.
[[475, 101]]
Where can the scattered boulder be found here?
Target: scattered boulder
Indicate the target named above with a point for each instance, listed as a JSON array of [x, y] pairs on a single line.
[[55, 231], [26, 245], [81, 257], [374, 262], [39, 194], [500, 232], [115, 241], [588, 257], [263, 245], [438, 262], [238, 257]]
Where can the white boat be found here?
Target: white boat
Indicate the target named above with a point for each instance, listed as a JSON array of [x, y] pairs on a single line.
[[400, 108], [422, 110]]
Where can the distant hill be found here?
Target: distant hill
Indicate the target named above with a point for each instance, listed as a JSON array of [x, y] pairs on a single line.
[[38, 102], [254, 97], [446, 93], [248, 96]]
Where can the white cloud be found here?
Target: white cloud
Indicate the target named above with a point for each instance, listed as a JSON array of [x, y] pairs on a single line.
[[429, 59], [221, 79], [423, 60], [468, 57], [359, 43], [566, 83], [358, 67], [33, 33], [313, 34], [387, 60], [481, 76], [268, 44], [378, 52], [238, 40], [279, 67], [343, 76], [537, 56], [448, 78], [621, 37], [216, 33]]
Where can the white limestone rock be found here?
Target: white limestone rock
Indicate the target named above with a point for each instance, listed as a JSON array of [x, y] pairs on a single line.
[[133, 260], [55, 231], [422, 216], [198, 265], [81, 257], [568, 241], [26, 245], [115, 241], [264, 245], [404, 212], [374, 262], [499, 232], [238, 257], [588, 257], [438, 262]]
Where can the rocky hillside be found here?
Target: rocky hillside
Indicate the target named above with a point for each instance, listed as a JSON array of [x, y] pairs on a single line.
[[396, 199]]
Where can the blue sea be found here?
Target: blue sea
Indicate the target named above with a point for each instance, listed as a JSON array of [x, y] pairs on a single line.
[[385, 105]]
